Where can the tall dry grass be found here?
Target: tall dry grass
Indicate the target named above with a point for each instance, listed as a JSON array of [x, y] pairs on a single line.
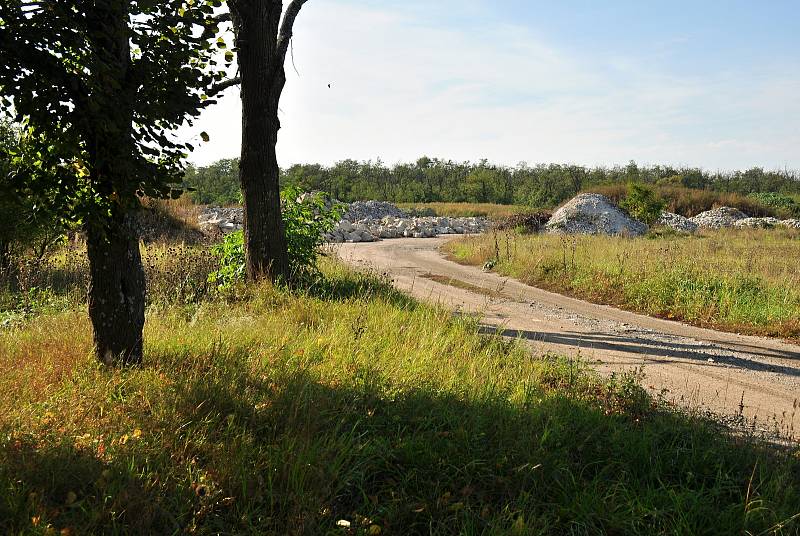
[[738, 280]]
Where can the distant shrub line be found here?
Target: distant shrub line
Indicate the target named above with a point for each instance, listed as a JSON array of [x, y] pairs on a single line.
[[543, 185]]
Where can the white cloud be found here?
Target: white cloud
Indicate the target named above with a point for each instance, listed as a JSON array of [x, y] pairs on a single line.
[[403, 85]]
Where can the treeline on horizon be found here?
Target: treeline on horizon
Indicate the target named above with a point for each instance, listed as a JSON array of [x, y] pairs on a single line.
[[433, 180]]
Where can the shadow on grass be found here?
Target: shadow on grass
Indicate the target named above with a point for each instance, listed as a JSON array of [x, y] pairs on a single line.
[[228, 451]]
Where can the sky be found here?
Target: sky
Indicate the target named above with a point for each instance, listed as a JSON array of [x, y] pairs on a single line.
[[713, 84]]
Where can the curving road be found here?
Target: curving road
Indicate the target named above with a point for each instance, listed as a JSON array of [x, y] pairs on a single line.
[[752, 381]]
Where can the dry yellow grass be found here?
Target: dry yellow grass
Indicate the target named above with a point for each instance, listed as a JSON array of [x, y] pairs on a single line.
[[739, 280]]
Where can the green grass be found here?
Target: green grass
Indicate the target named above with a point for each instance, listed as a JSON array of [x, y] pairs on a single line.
[[747, 281], [457, 210], [272, 412]]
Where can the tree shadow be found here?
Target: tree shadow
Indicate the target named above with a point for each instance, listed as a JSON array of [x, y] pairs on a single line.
[[287, 453], [649, 347]]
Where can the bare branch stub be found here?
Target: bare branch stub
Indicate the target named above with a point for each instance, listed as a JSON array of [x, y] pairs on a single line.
[[285, 33], [222, 86]]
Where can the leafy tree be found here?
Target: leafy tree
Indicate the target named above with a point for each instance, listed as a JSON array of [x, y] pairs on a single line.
[[23, 224], [642, 203], [216, 184], [99, 85], [262, 32]]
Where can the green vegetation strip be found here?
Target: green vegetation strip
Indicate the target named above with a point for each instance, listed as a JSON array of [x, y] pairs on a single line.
[[744, 281], [349, 405]]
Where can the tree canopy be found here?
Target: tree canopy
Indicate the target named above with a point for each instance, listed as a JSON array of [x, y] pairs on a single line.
[[98, 87]]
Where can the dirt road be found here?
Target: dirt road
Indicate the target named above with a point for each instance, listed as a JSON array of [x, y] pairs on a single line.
[[733, 376]]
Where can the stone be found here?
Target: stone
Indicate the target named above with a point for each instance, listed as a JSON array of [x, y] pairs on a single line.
[[677, 222], [593, 214], [756, 223], [718, 218]]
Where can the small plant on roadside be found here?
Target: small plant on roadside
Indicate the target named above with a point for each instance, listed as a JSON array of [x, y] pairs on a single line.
[[643, 203], [305, 219]]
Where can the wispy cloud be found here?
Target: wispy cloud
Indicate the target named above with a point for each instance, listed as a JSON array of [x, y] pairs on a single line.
[[405, 82]]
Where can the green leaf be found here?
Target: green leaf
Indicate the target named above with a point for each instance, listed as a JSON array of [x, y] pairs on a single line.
[[204, 135]]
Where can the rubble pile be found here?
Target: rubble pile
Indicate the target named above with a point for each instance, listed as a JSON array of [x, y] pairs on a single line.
[[593, 214]]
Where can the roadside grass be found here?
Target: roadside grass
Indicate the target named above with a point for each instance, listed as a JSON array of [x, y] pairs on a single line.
[[491, 211], [736, 280], [349, 408]]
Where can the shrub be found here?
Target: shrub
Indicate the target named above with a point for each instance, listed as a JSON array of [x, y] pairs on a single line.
[[306, 218], [782, 203], [643, 203], [26, 227]]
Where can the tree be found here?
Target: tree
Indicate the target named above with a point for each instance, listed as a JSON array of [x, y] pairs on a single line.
[[262, 38], [99, 85], [643, 203]]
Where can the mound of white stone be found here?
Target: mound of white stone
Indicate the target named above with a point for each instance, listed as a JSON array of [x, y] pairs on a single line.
[[371, 210], [225, 219], [369, 230], [363, 221], [756, 223], [677, 222], [791, 223], [593, 214], [719, 218]]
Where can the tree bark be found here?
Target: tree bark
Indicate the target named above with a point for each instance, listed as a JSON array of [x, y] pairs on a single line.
[[262, 80], [116, 291]]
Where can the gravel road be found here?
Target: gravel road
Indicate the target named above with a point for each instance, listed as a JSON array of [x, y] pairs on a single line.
[[748, 381]]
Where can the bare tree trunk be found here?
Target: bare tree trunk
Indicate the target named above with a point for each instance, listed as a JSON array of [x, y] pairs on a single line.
[[262, 80], [116, 291]]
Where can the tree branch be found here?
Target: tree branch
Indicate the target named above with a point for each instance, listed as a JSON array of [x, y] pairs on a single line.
[[222, 17], [222, 86], [285, 33]]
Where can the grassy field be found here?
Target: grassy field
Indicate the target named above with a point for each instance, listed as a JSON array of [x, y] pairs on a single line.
[[744, 281], [348, 408], [456, 210]]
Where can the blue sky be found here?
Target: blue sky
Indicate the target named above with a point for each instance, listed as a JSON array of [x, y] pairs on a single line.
[[712, 84]]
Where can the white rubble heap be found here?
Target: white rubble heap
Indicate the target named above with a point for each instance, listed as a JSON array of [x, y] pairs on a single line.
[[225, 219], [363, 221], [756, 223], [718, 218], [677, 222], [368, 221], [593, 214]]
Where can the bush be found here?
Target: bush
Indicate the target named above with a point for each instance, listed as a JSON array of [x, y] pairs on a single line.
[[643, 203], [305, 219], [782, 203], [692, 201], [26, 227]]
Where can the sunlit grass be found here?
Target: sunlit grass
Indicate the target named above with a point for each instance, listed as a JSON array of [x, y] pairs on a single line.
[[270, 412], [737, 280]]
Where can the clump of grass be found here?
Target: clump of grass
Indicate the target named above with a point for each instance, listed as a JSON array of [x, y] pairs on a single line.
[[744, 281], [174, 273], [347, 408]]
